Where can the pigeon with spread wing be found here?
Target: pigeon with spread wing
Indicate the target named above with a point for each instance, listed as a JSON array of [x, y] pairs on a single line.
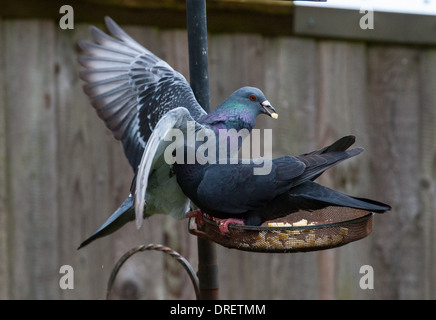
[[132, 89]]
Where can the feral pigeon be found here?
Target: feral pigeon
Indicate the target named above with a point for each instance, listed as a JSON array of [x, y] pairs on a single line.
[[233, 193], [131, 90]]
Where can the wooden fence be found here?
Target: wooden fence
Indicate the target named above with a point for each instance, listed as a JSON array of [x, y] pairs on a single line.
[[62, 173]]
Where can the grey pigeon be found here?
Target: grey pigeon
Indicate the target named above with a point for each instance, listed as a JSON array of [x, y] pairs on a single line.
[[232, 193], [131, 90]]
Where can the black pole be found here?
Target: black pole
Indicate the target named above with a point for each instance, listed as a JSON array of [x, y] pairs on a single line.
[[198, 52], [199, 80]]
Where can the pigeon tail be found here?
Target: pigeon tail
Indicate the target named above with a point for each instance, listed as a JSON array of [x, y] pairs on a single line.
[[125, 213], [339, 145], [316, 164], [321, 197]]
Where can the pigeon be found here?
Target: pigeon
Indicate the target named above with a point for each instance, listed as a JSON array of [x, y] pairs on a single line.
[[131, 89], [234, 194]]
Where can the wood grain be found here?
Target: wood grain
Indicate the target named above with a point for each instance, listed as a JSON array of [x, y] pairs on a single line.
[[394, 138], [4, 185], [427, 149], [31, 144]]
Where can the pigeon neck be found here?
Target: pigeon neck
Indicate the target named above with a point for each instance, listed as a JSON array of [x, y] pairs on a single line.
[[225, 117]]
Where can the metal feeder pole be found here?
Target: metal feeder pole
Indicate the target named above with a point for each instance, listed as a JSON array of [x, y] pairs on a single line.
[[199, 80]]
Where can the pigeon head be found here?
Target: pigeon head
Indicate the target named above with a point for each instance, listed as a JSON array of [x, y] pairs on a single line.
[[249, 100], [240, 109]]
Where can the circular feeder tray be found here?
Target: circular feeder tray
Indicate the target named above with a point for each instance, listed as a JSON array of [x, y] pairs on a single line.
[[326, 228]]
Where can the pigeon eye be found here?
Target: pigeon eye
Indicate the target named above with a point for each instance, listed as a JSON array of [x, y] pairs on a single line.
[[253, 98]]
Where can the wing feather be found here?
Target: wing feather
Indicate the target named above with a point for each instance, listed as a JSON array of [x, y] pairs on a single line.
[[131, 88], [175, 118]]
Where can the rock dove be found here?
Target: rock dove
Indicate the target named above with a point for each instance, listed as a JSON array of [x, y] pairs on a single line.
[[232, 193], [131, 89]]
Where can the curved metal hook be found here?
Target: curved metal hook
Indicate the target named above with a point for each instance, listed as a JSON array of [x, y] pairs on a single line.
[[158, 247]]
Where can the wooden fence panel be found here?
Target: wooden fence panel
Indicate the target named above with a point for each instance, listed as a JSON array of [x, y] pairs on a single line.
[[427, 179], [31, 145], [4, 217], [85, 160], [394, 144], [341, 101]]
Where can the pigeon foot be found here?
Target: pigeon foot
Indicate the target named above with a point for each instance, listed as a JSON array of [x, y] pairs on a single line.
[[198, 215], [224, 224]]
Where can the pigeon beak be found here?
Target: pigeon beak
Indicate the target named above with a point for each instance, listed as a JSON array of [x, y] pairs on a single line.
[[268, 109]]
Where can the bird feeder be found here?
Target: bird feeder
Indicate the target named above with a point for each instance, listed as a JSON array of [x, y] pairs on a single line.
[[301, 231]]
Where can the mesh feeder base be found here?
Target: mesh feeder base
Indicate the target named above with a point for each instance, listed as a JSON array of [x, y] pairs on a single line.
[[326, 228]]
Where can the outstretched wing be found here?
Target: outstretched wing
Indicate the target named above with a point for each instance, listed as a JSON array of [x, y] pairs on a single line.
[[154, 157], [131, 88]]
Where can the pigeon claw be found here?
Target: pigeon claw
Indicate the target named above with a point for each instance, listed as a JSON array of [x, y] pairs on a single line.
[[224, 224], [198, 215]]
